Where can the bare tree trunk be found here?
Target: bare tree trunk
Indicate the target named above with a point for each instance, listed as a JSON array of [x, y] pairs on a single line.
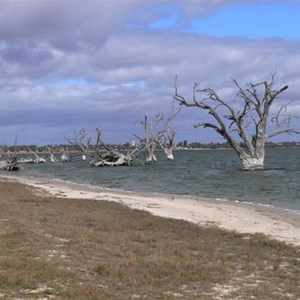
[[52, 157], [150, 157], [107, 156], [12, 164], [169, 153], [65, 156], [249, 122], [166, 137], [82, 142], [35, 160], [252, 163]]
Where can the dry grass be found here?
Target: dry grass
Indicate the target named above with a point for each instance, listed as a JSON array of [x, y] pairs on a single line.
[[78, 249]]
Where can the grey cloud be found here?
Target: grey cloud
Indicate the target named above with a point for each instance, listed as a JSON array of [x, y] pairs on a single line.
[[73, 25], [69, 64], [23, 53], [68, 25]]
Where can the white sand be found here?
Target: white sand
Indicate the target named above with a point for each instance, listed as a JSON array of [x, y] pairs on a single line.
[[244, 218]]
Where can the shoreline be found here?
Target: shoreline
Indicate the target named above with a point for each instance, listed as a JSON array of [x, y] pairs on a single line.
[[248, 218]]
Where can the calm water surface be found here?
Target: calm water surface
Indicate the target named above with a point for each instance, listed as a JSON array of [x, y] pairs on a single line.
[[208, 173]]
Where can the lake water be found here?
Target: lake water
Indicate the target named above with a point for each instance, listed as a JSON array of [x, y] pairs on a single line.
[[207, 173]]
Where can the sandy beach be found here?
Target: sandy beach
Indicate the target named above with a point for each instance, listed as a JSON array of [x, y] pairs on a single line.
[[241, 217], [71, 241]]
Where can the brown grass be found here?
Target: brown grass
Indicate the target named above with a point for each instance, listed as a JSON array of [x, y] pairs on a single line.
[[78, 249]]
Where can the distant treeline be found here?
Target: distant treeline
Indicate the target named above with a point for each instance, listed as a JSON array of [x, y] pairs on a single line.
[[197, 145], [120, 147], [56, 148]]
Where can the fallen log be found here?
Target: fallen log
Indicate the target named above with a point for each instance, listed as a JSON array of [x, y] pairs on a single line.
[[11, 164], [111, 159]]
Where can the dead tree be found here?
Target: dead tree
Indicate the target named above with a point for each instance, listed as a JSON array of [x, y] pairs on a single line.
[[65, 156], [248, 123], [158, 132], [107, 156], [11, 164], [36, 160], [166, 136], [82, 141], [166, 142], [52, 157], [149, 140]]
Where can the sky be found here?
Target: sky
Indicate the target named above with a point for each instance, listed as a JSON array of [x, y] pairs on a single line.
[[67, 64]]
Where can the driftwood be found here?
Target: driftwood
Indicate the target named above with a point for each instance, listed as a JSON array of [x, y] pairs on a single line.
[[36, 160], [12, 164], [99, 153], [111, 159], [107, 156]]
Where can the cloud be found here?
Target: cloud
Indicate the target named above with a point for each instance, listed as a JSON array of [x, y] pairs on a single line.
[[72, 64]]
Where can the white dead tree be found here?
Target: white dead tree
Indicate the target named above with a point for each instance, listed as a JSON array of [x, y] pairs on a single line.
[[158, 132], [35, 160], [167, 142], [166, 136], [107, 156], [82, 141], [11, 164], [249, 122], [149, 140], [52, 157], [65, 155]]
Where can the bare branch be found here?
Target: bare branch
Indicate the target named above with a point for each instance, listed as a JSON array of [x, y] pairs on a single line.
[[285, 131], [253, 115]]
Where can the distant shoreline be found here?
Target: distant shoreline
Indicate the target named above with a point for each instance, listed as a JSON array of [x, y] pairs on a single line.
[[242, 217]]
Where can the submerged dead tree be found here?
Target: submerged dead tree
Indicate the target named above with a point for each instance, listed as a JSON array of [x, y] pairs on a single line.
[[52, 157], [250, 122], [149, 140], [82, 141], [65, 155], [11, 164], [158, 133], [166, 136], [108, 156], [32, 160], [99, 153]]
